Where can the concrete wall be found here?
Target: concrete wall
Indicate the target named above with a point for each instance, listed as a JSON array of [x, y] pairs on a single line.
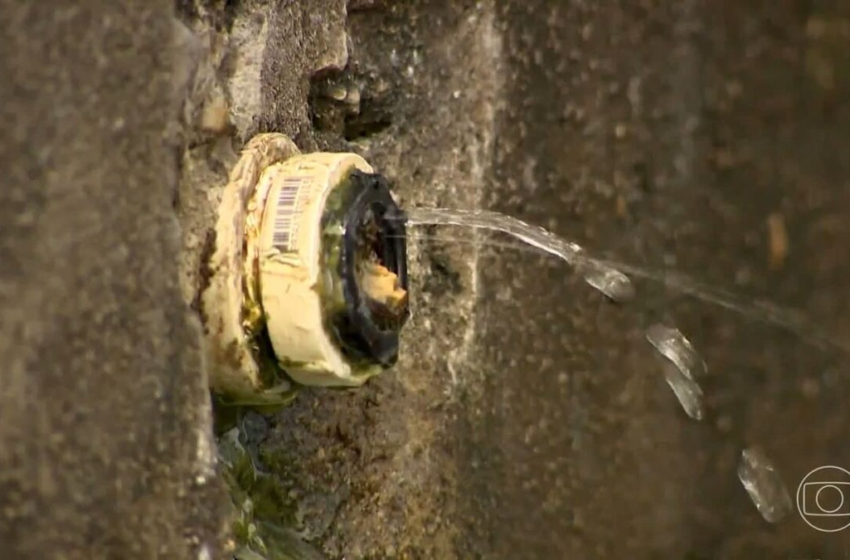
[[105, 431], [527, 417]]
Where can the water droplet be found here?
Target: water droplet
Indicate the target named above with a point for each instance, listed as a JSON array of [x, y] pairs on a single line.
[[686, 390], [681, 367], [613, 283], [673, 345], [764, 485]]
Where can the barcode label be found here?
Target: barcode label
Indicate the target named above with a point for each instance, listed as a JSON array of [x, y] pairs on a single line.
[[289, 205]]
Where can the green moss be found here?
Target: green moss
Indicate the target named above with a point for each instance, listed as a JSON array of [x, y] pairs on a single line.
[[280, 390], [285, 364], [330, 284], [268, 402], [264, 515]]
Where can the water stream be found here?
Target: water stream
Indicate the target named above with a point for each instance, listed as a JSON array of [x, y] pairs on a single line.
[[608, 280], [681, 365], [609, 277]]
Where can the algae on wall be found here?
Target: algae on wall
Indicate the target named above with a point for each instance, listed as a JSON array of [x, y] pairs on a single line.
[[265, 518]]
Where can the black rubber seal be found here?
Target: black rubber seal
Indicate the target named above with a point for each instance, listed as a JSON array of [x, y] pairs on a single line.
[[368, 199]]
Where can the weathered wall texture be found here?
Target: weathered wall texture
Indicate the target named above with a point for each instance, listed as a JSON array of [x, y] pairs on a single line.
[[415, 89], [527, 417], [667, 134], [375, 470], [104, 426]]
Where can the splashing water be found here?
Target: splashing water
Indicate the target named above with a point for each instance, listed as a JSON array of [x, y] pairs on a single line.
[[684, 363], [764, 485], [682, 369], [609, 277], [683, 366], [608, 280]]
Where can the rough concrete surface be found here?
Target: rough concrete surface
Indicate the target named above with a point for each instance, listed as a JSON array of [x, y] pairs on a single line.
[[105, 432], [528, 417], [670, 135], [360, 484]]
